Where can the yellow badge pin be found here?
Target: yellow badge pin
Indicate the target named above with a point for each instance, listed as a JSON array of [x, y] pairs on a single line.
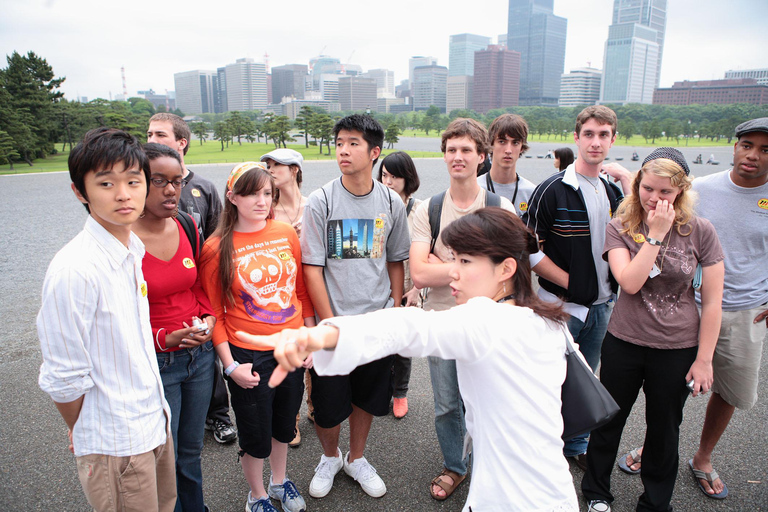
[[188, 262], [639, 238]]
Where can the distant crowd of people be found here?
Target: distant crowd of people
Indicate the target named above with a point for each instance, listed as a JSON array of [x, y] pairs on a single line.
[[168, 298]]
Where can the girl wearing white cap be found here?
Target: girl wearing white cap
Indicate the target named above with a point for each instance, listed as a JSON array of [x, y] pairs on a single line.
[[285, 167]]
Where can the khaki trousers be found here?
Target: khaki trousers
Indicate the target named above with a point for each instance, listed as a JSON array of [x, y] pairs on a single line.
[[136, 483]]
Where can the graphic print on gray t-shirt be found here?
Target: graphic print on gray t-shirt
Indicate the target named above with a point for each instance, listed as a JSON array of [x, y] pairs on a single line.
[[356, 238]]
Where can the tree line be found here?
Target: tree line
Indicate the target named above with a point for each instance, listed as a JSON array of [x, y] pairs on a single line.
[[35, 116]]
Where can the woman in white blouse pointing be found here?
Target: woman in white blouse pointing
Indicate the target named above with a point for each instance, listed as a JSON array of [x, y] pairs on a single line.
[[509, 349]]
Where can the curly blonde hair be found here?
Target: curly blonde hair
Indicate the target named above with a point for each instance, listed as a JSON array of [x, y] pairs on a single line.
[[631, 211]]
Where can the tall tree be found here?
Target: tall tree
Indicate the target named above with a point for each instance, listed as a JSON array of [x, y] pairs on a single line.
[[221, 133], [32, 88], [236, 125], [201, 131], [322, 130], [7, 151], [391, 136], [303, 121]]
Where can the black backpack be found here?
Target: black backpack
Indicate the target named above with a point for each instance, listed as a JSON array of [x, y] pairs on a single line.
[[436, 209], [190, 228]]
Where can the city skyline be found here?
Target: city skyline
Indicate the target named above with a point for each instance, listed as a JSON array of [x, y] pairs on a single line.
[[159, 41]]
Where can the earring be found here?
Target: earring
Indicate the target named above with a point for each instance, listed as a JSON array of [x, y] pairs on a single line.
[[505, 287], [143, 213], [175, 213]]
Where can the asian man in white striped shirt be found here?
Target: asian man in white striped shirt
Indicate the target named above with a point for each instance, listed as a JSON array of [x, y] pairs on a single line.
[[99, 363]]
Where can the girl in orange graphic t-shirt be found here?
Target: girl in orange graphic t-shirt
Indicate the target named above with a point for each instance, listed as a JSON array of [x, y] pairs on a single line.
[[251, 271]]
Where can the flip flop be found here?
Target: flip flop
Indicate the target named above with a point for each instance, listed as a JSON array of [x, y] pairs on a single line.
[[636, 456], [709, 477]]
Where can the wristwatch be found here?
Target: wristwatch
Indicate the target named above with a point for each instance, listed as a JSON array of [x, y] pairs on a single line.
[[653, 241]]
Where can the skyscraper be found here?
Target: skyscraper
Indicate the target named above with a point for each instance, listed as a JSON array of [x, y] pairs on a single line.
[[539, 36], [194, 91], [458, 94], [357, 93], [246, 82], [288, 81], [461, 53], [630, 64], [498, 79], [429, 87], [649, 13], [633, 51], [580, 87], [415, 62], [385, 81]]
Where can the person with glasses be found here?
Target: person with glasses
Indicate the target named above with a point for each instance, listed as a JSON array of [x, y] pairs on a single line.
[[181, 318], [200, 200]]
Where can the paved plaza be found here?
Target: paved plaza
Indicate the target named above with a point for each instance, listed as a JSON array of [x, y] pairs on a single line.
[[40, 214]]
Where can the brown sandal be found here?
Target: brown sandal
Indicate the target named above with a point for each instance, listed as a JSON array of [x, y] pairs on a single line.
[[448, 488]]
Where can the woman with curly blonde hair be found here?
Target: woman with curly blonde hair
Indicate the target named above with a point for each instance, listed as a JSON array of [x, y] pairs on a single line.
[[656, 339]]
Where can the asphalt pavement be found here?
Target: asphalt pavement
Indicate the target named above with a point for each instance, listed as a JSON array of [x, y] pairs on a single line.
[[40, 214]]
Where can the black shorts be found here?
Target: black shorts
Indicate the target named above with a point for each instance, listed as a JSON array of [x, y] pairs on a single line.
[[263, 413], [368, 387]]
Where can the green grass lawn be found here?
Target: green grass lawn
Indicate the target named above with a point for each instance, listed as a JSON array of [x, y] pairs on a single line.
[[208, 153]]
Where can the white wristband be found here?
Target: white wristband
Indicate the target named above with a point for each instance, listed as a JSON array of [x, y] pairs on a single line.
[[228, 371]]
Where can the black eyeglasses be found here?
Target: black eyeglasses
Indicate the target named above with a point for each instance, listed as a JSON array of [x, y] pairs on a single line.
[[162, 183]]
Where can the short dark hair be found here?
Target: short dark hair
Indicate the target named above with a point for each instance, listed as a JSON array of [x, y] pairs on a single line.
[[154, 151], [180, 126], [372, 131], [509, 125], [599, 113], [565, 155], [401, 165], [102, 148]]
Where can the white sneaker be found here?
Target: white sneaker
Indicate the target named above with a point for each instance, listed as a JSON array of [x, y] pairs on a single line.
[[599, 506], [322, 482], [365, 474]]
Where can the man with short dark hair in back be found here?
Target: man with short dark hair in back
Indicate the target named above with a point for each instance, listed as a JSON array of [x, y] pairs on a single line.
[[201, 201], [508, 140], [354, 240]]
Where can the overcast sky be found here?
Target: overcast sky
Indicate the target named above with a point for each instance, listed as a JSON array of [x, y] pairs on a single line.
[[89, 41]]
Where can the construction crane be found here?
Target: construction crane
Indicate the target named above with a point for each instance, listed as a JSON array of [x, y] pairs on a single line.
[[125, 89]]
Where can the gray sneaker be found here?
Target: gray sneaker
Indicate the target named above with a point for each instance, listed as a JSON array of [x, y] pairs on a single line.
[[261, 505], [288, 495]]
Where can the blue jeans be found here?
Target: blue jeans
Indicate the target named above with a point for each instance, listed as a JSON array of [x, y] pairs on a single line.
[[187, 376], [589, 335], [449, 413]]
